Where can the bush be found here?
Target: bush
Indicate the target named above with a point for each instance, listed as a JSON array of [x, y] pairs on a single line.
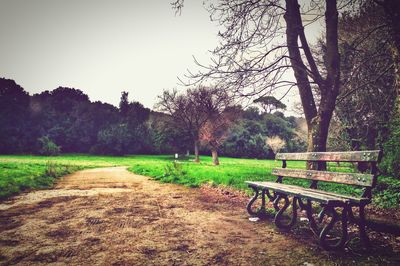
[[391, 161], [48, 147], [387, 192]]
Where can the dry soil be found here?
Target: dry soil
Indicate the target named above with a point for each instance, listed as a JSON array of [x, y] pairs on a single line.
[[110, 216]]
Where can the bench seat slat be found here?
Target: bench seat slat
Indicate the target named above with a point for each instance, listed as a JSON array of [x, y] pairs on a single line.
[[350, 198], [343, 178], [317, 195], [351, 156]]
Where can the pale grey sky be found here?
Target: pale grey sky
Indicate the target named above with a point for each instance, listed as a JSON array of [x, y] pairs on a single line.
[[104, 46]]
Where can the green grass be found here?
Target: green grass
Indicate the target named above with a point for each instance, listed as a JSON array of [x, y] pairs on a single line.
[[22, 172], [16, 177]]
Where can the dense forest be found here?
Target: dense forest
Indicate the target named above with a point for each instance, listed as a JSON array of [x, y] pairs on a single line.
[[65, 120]]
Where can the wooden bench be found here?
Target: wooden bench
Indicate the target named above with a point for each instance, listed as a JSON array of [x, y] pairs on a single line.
[[336, 207]]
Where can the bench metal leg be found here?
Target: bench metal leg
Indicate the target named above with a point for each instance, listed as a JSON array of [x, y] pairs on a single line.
[[261, 211], [332, 244], [271, 197], [362, 224], [279, 215], [309, 211]]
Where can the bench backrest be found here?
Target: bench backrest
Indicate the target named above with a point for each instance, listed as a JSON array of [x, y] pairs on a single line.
[[350, 156], [360, 179]]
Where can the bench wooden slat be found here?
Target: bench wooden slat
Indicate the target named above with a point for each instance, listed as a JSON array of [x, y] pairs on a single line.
[[351, 156], [318, 195], [343, 178], [350, 198], [299, 192]]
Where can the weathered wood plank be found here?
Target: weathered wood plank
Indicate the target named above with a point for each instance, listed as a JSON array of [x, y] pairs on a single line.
[[350, 198], [335, 177], [351, 156], [300, 192]]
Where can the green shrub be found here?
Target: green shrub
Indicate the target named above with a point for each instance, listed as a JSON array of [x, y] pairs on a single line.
[[387, 193], [391, 160], [48, 147], [174, 172], [51, 169]]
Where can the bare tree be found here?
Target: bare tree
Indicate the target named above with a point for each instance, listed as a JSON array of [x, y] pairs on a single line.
[[262, 40], [185, 116], [215, 131], [192, 109]]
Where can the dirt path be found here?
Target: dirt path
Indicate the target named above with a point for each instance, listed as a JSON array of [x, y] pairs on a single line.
[[112, 217]]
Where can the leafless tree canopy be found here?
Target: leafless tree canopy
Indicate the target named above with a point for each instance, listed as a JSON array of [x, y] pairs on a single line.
[[192, 109], [216, 130], [252, 56]]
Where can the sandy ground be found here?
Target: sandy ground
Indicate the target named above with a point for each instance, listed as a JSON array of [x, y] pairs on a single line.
[[110, 216]]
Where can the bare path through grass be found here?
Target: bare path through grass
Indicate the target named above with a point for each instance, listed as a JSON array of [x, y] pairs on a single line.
[[110, 216]]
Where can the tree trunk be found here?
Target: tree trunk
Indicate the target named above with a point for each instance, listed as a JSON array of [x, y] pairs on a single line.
[[372, 135], [214, 154], [294, 25], [318, 136], [196, 151], [318, 120], [187, 153]]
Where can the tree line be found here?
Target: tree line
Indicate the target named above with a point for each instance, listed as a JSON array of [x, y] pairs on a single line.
[[199, 120], [67, 119]]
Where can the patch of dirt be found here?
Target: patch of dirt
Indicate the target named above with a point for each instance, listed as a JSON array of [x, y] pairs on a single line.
[[60, 233], [8, 242], [8, 223], [112, 217]]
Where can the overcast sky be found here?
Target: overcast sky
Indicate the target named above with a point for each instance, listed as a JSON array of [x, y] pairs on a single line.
[[103, 46]]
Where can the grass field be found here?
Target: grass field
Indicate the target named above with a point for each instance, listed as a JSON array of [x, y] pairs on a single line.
[[18, 173], [18, 176]]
